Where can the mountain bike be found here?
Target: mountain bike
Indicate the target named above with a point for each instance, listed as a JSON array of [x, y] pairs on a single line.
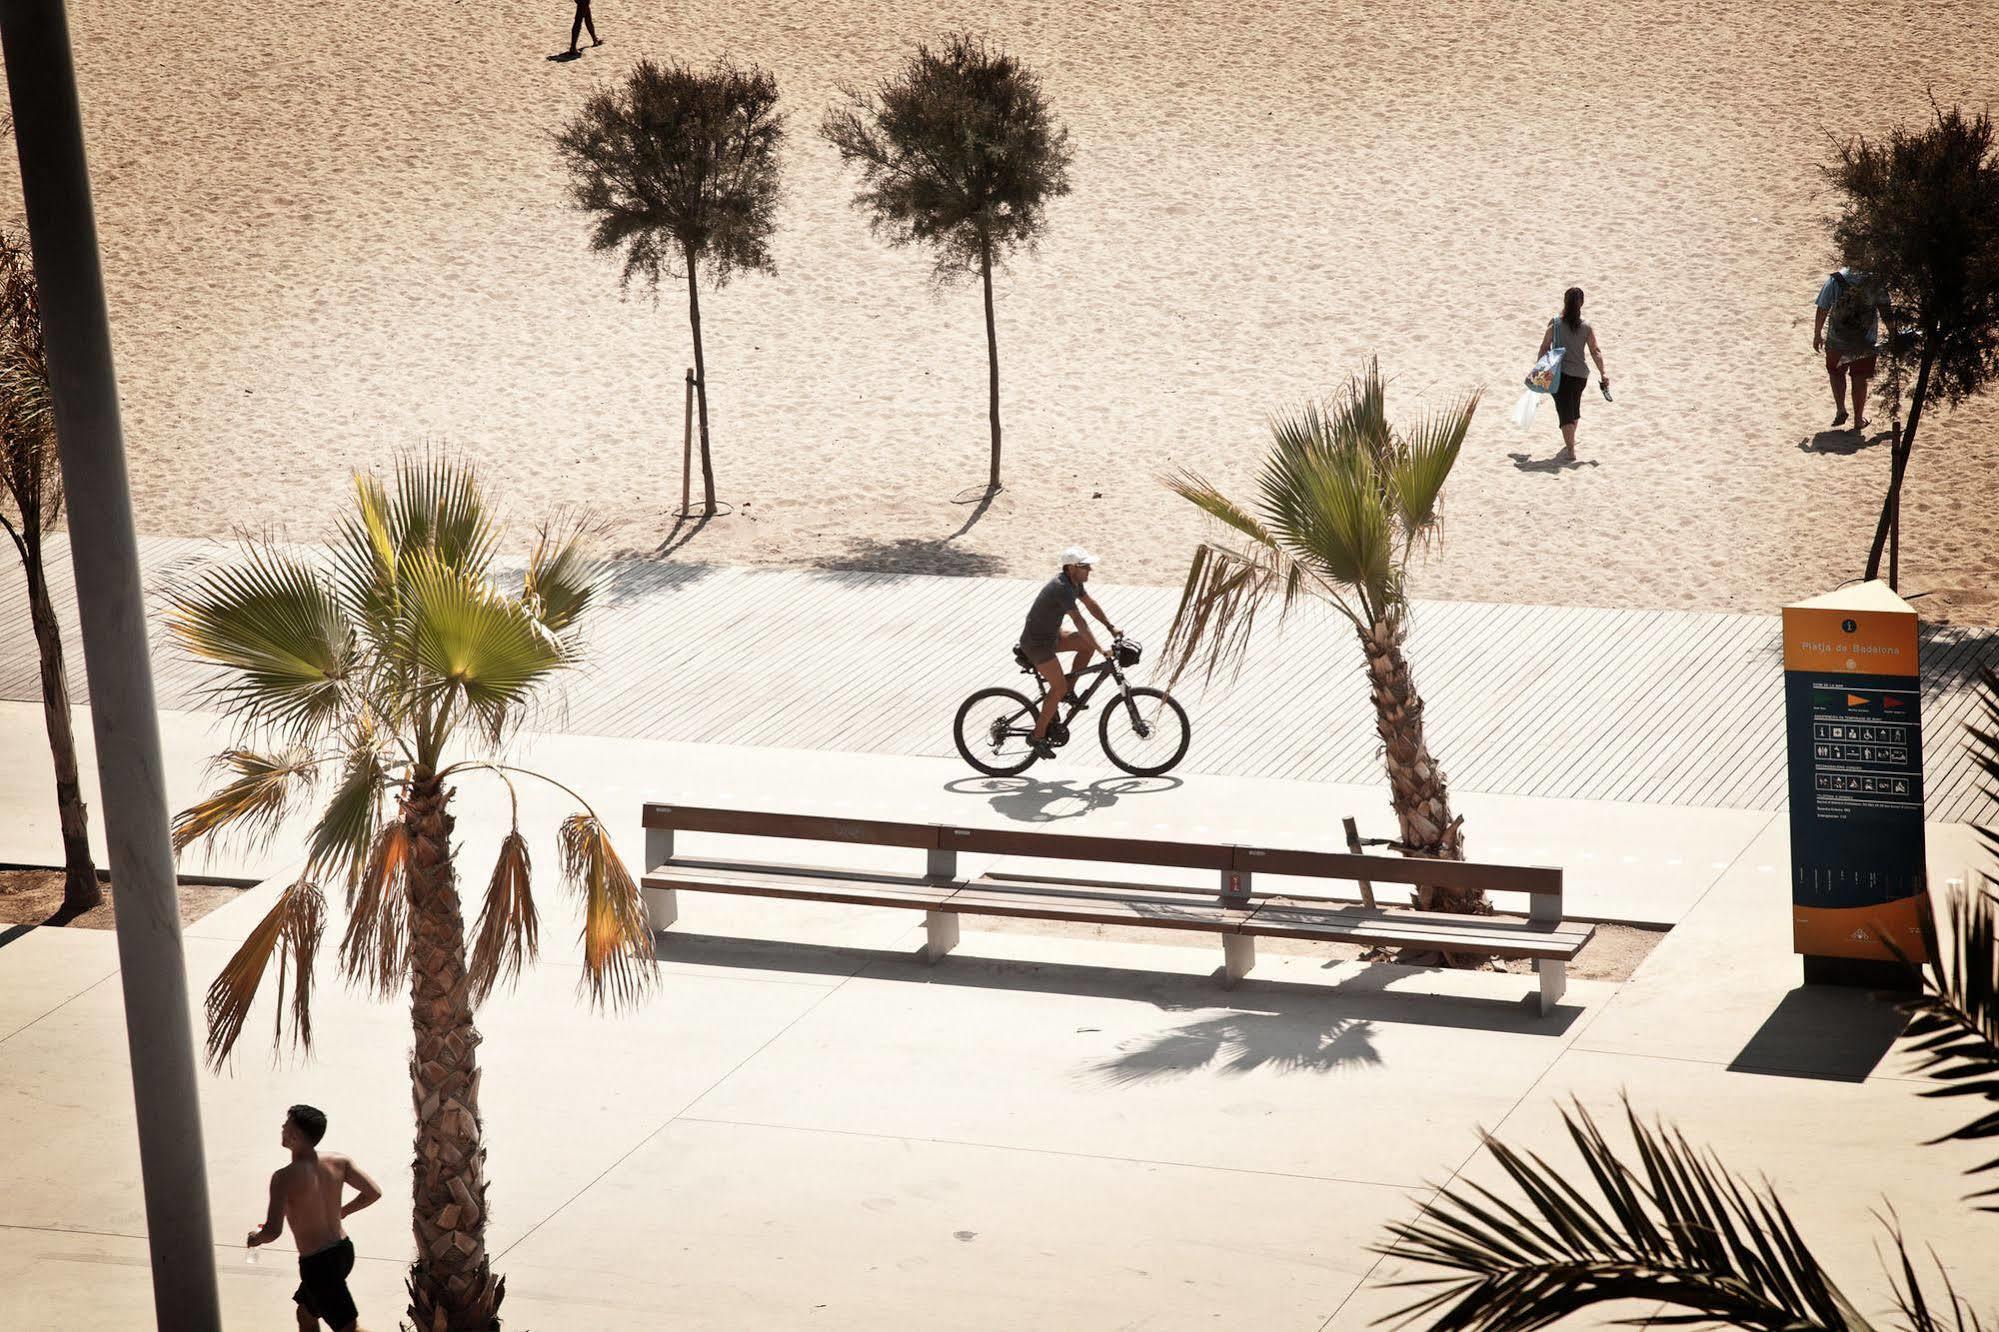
[[1143, 730]]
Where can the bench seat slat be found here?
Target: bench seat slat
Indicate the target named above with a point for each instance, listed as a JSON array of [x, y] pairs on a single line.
[[1279, 907], [808, 827], [1375, 927], [818, 886], [1065, 846], [1103, 909]]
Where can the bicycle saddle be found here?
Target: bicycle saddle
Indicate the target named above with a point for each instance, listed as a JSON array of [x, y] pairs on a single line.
[[1020, 659]]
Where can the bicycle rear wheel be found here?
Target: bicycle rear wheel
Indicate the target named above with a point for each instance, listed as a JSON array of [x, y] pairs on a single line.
[[992, 730], [1145, 732]]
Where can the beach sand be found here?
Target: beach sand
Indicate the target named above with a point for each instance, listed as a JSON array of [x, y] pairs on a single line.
[[333, 232]]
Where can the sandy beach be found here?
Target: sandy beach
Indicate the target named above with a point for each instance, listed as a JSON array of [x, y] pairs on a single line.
[[336, 231]]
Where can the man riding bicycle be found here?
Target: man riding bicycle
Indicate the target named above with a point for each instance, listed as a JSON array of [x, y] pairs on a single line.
[[1043, 636]]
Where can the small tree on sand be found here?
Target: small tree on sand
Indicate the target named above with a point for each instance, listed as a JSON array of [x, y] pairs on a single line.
[[1919, 213], [959, 151], [388, 679], [1344, 501], [30, 506], [679, 168]]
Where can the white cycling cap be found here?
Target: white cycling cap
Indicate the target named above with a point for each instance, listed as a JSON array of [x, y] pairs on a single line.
[[1077, 555]]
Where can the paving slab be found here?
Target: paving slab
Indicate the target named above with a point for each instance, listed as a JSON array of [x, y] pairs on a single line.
[[1308, 1080], [42, 969], [781, 1227]]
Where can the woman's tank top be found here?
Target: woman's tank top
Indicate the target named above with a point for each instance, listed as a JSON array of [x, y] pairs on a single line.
[[1573, 344]]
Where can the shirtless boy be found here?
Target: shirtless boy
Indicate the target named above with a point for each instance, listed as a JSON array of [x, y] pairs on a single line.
[[306, 1194]]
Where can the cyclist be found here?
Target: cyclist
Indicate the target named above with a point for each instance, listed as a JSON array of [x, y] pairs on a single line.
[[1043, 636]]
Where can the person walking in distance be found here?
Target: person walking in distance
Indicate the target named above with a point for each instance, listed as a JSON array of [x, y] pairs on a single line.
[[306, 1195], [1571, 333], [1042, 636], [1847, 328], [583, 20]]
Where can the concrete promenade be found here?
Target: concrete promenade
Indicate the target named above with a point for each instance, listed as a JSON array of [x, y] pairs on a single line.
[[807, 1127], [1649, 707]]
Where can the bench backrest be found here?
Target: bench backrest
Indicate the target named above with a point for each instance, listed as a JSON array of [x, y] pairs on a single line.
[[1457, 875]]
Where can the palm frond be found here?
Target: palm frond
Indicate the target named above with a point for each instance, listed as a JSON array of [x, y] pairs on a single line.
[[619, 963], [508, 933], [1954, 1023], [1359, 416], [471, 641], [1425, 461], [1327, 504], [346, 831], [291, 931], [438, 508], [1679, 1230], [366, 560], [561, 580], [1225, 591], [282, 632], [375, 949], [265, 789]]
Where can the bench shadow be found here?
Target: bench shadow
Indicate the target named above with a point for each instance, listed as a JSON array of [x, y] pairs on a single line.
[[1260, 1009], [1025, 800], [1823, 1031]]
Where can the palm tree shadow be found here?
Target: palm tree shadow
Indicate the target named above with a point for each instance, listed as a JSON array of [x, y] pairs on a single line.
[[1235, 1044], [1529, 463], [978, 512]]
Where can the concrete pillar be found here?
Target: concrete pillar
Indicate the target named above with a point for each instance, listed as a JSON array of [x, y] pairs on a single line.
[[62, 232]]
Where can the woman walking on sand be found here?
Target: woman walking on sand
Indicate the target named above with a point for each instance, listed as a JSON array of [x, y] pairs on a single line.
[[583, 20], [1571, 334]]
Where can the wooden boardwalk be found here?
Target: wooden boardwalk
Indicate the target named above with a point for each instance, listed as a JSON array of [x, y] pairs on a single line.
[[1666, 707]]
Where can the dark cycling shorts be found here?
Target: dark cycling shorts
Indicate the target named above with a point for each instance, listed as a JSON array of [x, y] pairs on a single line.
[[1569, 398], [1038, 650]]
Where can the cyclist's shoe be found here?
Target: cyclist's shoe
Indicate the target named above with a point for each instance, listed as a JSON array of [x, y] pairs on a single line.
[[1042, 749]]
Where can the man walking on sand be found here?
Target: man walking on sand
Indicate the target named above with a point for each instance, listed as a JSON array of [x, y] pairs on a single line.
[[306, 1194], [1847, 328], [583, 20]]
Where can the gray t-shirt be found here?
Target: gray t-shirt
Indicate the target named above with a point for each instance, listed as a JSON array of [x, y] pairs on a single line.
[[1572, 345], [1853, 312], [1056, 599]]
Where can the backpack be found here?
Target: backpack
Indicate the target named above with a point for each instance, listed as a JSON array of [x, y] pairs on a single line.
[[1848, 321]]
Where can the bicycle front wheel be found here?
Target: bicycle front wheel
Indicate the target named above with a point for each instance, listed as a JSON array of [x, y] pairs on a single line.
[[992, 730], [1145, 731]]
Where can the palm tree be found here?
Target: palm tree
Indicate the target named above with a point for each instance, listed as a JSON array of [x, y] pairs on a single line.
[[392, 674], [1344, 501], [1680, 1229], [31, 502]]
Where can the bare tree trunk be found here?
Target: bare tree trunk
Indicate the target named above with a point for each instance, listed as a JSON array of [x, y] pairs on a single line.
[[992, 361], [700, 386], [1416, 784], [79, 888], [1891, 506], [451, 1284]]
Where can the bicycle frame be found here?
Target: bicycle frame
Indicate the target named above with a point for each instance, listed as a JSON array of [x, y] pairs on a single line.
[[1076, 700]]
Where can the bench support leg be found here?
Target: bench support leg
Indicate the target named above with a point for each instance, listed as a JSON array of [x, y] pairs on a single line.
[[659, 848], [1238, 956], [942, 929], [662, 907], [1554, 982]]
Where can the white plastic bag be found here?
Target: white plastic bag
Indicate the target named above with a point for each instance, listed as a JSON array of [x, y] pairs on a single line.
[[1523, 409]]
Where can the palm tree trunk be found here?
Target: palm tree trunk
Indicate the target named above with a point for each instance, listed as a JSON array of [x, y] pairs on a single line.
[[1416, 784], [992, 361], [451, 1285], [700, 385], [79, 887], [1891, 506]]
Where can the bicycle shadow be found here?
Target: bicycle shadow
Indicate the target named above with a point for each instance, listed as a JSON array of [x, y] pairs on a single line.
[[1025, 800]]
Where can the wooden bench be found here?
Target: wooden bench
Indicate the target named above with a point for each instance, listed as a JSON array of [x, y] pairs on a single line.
[[1240, 908]]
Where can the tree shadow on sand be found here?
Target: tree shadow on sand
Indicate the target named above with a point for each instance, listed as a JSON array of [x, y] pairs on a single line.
[[1528, 463], [1842, 442], [1234, 1044], [911, 556]]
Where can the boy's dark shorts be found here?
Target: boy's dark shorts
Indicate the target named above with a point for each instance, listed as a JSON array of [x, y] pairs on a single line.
[[322, 1284]]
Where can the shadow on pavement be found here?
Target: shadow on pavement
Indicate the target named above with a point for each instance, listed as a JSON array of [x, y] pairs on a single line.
[[1823, 1031], [1025, 800], [1257, 1008]]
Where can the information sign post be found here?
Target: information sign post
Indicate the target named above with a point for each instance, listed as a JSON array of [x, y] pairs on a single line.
[[1853, 714]]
